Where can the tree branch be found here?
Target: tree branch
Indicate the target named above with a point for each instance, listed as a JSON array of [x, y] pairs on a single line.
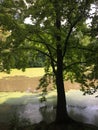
[[75, 63], [42, 42], [69, 33], [50, 52], [82, 48], [71, 28], [36, 49]]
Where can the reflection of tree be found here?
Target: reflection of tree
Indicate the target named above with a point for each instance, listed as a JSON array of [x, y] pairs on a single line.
[[48, 113]]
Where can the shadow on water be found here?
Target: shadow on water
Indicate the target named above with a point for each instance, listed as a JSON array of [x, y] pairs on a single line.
[[26, 107]]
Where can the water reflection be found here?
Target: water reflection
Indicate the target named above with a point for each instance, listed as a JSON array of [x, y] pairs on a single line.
[[87, 114], [31, 112], [37, 112], [48, 113], [81, 108]]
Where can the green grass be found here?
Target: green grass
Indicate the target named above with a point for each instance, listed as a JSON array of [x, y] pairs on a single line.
[[5, 96], [29, 72], [18, 98]]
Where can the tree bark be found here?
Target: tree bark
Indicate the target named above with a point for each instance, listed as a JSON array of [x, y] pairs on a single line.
[[61, 113]]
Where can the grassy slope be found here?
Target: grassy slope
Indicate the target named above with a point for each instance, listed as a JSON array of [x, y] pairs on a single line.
[[29, 72]]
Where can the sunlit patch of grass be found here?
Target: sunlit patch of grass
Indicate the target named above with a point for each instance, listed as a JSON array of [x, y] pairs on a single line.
[[15, 97], [29, 72], [4, 96], [23, 98]]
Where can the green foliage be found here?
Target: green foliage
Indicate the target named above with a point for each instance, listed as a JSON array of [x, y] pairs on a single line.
[[28, 41], [57, 32]]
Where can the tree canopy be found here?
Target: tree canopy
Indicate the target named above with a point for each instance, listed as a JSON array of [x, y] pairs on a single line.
[[57, 30]]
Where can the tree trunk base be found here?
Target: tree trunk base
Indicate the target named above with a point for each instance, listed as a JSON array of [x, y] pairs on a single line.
[[67, 120], [71, 125]]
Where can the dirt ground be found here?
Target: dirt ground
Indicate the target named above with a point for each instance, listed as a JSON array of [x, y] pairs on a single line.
[[22, 83]]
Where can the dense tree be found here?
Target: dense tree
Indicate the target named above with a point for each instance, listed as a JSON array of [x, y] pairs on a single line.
[[58, 30]]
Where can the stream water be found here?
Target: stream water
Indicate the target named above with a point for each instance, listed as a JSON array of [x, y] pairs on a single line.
[[81, 108]]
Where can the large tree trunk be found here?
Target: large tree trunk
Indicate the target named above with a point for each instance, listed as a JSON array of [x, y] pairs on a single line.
[[61, 113]]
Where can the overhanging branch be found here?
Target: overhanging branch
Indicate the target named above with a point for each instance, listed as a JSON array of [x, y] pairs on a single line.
[[41, 42], [50, 52], [69, 33], [36, 49], [75, 63], [83, 48], [78, 19]]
